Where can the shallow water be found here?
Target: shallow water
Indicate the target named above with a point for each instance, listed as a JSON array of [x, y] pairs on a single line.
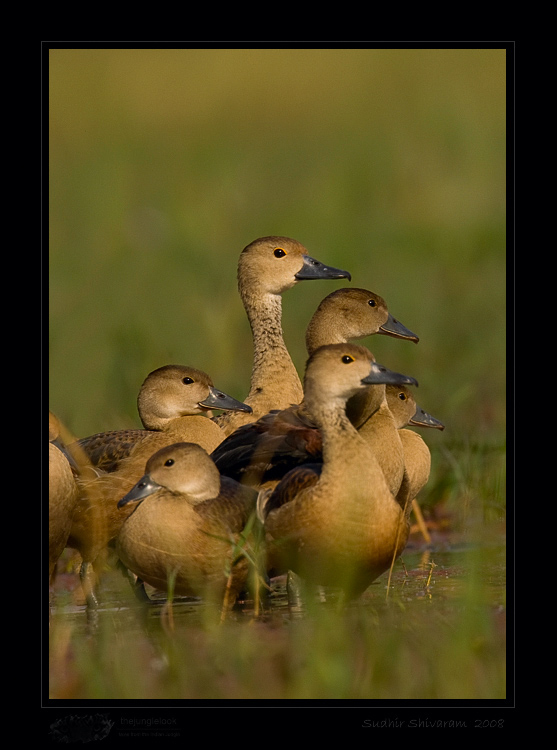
[[438, 575], [438, 631]]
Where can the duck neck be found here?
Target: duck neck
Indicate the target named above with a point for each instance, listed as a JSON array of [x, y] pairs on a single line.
[[271, 359], [350, 467], [342, 445], [362, 406], [320, 332], [381, 434], [380, 418]]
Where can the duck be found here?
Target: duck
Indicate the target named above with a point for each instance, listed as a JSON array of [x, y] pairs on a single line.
[[352, 313], [417, 456], [336, 523], [261, 452], [268, 267], [172, 402], [62, 493], [406, 411], [185, 525]]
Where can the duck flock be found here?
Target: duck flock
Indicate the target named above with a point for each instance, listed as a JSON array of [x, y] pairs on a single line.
[[316, 480]]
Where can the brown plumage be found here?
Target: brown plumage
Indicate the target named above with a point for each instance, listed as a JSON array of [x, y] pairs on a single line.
[[337, 525], [267, 267], [62, 493], [185, 523], [417, 457], [352, 313]]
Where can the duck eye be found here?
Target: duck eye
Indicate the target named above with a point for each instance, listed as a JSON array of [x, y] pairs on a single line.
[[372, 302], [402, 396], [347, 359], [187, 381], [169, 462], [279, 252]]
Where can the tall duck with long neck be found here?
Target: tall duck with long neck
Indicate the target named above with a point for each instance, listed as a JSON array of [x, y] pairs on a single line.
[[337, 523], [267, 267]]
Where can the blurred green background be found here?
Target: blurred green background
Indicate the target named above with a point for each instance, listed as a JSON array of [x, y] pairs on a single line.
[[164, 164]]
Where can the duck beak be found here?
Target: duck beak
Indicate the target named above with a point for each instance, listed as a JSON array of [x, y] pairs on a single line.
[[422, 419], [380, 374], [219, 400], [314, 269], [393, 327], [145, 487]]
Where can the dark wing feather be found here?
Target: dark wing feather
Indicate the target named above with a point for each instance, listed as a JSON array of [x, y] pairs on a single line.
[[233, 506], [298, 479], [267, 449], [105, 450]]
